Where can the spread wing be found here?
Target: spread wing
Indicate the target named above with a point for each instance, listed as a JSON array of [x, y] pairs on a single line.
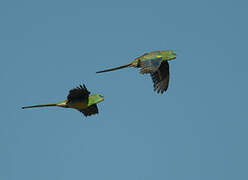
[[150, 65], [80, 93], [90, 110], [161, 77]]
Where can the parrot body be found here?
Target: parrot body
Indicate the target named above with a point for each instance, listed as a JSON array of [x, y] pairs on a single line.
[[155, 63], [79, 98]]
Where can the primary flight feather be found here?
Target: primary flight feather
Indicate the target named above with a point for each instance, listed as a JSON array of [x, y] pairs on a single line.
[[78, 98], [155, 63]]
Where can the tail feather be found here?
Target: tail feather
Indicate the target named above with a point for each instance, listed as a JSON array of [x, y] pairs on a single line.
[[113, 69], [40, 105]]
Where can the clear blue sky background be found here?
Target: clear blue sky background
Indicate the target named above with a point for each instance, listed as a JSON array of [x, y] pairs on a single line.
[[197, 130]]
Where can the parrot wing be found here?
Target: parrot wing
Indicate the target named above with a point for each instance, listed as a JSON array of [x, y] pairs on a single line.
[[80, 93], [90, 110], [150, 65], [161, 77]]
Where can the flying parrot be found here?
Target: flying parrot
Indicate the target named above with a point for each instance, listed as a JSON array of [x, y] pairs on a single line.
[[78, 98], [155, 63]]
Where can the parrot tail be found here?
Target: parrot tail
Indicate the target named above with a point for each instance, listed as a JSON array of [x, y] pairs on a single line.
[[41, 105], [113, 69]]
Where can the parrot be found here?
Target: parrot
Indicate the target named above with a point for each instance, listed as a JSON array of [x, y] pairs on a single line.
[[78, 98], [155, 63]]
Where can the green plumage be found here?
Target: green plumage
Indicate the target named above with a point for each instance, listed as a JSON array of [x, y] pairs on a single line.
[[78, 98], [155, 63]]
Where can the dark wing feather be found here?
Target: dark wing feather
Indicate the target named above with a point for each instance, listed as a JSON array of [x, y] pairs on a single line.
[[150, 65], [161, 78], [80, 93], [90, 110]]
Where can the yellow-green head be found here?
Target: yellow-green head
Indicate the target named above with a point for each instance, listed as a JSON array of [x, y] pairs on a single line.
[[168, 54], [95, 98]]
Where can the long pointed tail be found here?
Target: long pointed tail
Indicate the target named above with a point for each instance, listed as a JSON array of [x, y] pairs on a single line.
[[113, 69], [40, 105]]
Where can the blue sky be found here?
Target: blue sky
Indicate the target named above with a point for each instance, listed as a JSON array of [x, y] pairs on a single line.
[[196, 130]]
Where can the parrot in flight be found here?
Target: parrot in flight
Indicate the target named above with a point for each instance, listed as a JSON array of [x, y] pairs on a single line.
[[78, 98], [155, 63]]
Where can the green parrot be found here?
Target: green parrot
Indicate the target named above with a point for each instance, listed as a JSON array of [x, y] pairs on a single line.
[[155, 63], [79, 98]]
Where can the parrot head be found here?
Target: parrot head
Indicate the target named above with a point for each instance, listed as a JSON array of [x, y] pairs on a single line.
[[95, 98], [169, 54], [98, 97]]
